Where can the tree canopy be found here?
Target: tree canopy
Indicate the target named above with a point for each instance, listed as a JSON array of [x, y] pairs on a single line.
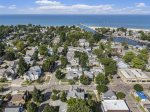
[[128, 57], [85, 80], [37, 95], [120, 95], [59, 75], [83, 58], [138, 87], [138, 63], [78, 105], [101, 88], [49, 108], [2, 49], [48, 64], [43, 50], [32, 107], [23, 67]]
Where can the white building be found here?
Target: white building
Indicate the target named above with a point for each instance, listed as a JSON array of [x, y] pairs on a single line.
[[33, 74], [132, 76], [114, 106], [83, 42]]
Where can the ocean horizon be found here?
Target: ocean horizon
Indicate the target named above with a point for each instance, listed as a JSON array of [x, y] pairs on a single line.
[[127, 21]]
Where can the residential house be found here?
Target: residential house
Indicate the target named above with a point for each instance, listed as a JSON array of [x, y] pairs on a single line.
[[89, 74], [2, 72], [76, 93], [109, 95], [14, 109], [74, 61], [83, 43], [62, 105], [117, 48], [71, 75], [10, 73], [97, 70], [17, 99], [50, 50], [33, 74], [29, 54], [122, 65]]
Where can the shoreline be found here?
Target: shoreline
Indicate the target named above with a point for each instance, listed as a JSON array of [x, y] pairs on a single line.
[[133, 29]]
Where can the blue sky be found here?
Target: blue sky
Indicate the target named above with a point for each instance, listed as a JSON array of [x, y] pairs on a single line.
[[74, 6]]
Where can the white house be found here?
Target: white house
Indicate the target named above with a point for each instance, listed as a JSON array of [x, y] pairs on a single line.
[[83, 42], [33, 74]]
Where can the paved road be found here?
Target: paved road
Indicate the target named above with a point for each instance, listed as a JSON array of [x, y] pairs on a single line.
[[120, 86], [51, 87]]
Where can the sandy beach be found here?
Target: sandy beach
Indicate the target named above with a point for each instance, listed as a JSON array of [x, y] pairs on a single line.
[[133, 29]]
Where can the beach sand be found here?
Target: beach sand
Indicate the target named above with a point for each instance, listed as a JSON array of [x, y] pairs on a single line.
[[133, 29]]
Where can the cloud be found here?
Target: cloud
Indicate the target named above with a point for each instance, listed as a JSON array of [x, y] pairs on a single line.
[[1, 6], [140, 5], [47, 2], [12, 7], [58, 7]]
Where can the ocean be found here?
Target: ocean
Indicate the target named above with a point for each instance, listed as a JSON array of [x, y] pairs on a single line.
[[127, 21]]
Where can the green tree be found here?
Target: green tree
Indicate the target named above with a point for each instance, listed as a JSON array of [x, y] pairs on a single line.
[[128, 57], [64, 61], [20, 45], [143, 57], [37, 95], [101, 88], [55, 97], [43, 50], [100, 79], [63, 96], [1, 89], [59, 75], [78, 105], [138, 63], [110, 66], [2, 49], [35, 56], [10, 56], [138, 87], [23, 67], [49, 108], [32, 107], [83, 58], [48, 64], [85, 80], [120, 95]]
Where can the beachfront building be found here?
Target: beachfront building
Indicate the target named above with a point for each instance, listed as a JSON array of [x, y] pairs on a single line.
[[114, 106], [133, 76]]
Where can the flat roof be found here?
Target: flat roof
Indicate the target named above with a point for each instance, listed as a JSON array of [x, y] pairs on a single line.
[[133, 73], [114, 105]]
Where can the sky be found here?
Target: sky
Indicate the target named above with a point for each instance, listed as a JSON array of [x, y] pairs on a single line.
[[75, 7]]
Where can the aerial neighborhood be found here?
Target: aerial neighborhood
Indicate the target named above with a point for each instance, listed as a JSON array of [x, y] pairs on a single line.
[[70, 69]]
